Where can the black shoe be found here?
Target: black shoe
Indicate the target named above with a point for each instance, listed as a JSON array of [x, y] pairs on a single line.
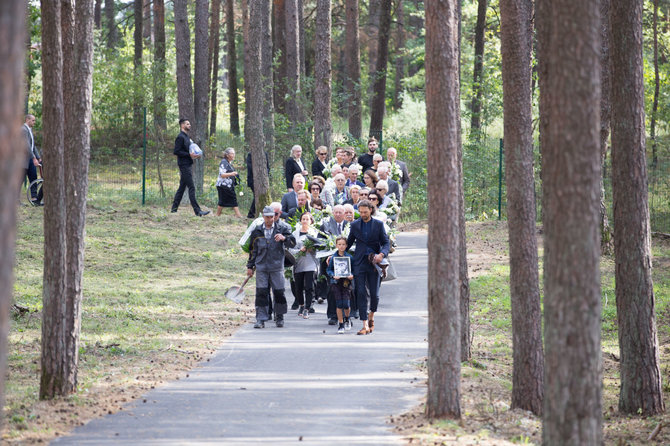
[[36, 203], [311, 310], [173, 210], [295, 305], [259, 324], [280, 321], [332, 321], [202, 213], [320, 300]]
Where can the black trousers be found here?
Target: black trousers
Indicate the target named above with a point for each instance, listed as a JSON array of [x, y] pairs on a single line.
[[186, 180], [252, 208], [304, 286], [31, 171]]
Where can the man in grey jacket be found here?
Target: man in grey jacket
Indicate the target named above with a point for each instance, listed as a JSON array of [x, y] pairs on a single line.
[[266, 256], [33, 158]]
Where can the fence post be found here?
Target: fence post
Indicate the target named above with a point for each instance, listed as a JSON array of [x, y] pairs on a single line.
[[500, 160], [144, 155]]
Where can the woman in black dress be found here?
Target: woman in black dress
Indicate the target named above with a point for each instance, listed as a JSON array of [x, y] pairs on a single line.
[[225, 183], [320, 162], [294, 165]]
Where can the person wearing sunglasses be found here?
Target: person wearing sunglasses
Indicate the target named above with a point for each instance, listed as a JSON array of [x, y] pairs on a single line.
[[320, 162]]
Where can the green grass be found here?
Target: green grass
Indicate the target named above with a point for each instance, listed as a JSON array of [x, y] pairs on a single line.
[[153, 291]]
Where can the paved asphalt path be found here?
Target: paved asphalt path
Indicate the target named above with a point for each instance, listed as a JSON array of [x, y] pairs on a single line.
[[302, 384]]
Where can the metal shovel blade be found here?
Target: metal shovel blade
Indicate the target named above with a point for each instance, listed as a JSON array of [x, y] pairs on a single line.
[[236, 293]]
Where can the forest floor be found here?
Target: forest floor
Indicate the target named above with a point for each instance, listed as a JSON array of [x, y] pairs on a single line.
[[148, 320], [486, 384]]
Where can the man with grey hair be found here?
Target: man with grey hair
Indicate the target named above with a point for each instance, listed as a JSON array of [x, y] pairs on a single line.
[[392, 155], [266, 258], [33, 158], [393, 186]]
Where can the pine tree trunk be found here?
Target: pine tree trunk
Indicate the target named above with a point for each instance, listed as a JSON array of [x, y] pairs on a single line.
[[110, 19], [267, 76], [657, 82], [516, 48], [372, 31], [214, 62], [158, 66], [279, 36], [200, 89], [606, 241], [182, 39], [641, 390], [254, 104], [443, 127], [322, 73], [147, 30], [379, 91], [12, 53], [233, 100], [399, 56], [353, 69], [97, 15], [292, 60], [55, 371], [569, 73], [476, 104], [138, 100]]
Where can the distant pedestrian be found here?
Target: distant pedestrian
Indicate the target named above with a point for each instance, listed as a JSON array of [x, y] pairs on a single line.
[[185, 162], [226, 182], [33, 159]]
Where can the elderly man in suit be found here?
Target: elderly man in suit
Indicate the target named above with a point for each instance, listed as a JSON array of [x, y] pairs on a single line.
[[33, 158], [392, 155], [394, 187], [372, 246], [289, 201]]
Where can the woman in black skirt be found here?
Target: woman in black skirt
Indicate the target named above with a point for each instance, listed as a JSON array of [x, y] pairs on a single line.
[[226, 182]]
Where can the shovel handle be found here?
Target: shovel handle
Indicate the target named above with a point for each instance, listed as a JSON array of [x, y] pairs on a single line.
[[245, 282]]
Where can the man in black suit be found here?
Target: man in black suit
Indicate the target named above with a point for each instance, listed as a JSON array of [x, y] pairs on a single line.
[[334, 225], [185, 162], [365, 160], [372, 246], [289, 201], [250, 182]]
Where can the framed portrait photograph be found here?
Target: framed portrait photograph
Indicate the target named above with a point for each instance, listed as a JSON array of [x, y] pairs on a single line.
[[342, 266]]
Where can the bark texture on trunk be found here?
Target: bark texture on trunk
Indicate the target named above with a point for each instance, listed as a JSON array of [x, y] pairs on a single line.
[[254, 102], [322, 76], [182, 40], [641, 389], [353, 69], [200, 89], [12, 53], [159, 105], [267, 76], [233, 98], [292, 60], [443, 127], [569, 56], [378, 103], [214, 44], [138, 40], [476, 104], [279, 36], [55, 371], [68, 85], [516, 48], [110, 19], [399, 56], [606, 241], [657, 82]]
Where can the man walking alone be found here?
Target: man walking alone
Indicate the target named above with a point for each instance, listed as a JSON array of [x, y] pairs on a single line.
[[185, 162]]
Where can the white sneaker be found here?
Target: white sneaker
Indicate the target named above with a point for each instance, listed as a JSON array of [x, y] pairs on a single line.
[[347, 325], [340, 330]]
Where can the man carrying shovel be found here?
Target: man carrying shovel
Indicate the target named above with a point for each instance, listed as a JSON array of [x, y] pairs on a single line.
[[266, 255]]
